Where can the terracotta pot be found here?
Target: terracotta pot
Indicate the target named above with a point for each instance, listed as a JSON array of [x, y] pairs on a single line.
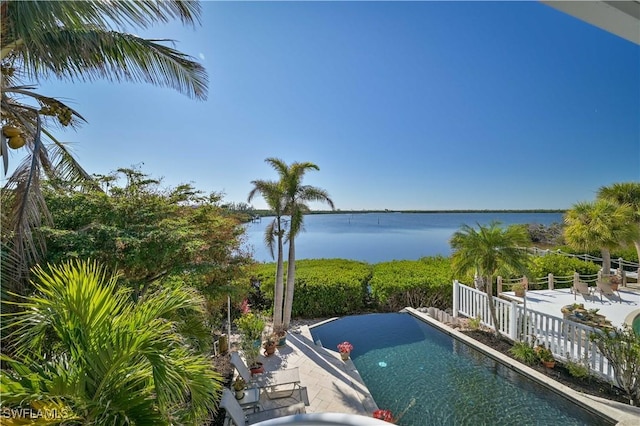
[[549, 364], [345, 355], [257, 369], [269, 349]]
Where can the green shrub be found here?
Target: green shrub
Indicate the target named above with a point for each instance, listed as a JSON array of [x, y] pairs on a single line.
[[559, 266], [524, 352], [577, 369], [401, 283], [324, 287]]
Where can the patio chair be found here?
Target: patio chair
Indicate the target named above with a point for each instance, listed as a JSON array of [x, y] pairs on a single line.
[[605, 288], [276, 384], [582, 288], [238, 417]]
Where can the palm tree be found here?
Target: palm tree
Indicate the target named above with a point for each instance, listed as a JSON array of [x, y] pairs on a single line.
[[625, 193], [79, 40], [488, 249], [272, 192], [296, 197], [599, 225], [83, 347]]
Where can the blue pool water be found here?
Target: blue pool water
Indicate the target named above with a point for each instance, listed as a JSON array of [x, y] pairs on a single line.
[[429, 378]]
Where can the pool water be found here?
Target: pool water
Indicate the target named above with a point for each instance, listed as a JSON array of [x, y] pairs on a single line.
[[426, 377]]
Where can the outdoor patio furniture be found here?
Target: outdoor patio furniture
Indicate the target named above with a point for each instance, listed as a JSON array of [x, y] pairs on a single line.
[[276, 384], [238, 417], [582, 288], [605, 288]]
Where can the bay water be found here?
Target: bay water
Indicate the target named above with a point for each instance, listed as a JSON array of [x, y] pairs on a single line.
[[380, 237]]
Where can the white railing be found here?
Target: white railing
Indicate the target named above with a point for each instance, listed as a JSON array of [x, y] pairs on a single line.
[[567, 340]]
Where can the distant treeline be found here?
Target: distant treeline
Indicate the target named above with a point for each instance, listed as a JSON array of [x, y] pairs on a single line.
[[270, 213]]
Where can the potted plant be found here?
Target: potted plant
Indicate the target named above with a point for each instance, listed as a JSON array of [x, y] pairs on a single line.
[[345, 349], [385, 415], [545, 356], [269, 345], [239, 385], [518, 289], [281, 335], [250, 327]]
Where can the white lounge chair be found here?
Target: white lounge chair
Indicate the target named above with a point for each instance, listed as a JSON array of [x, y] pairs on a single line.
[[582, 288], [276, 384], [240, 418]]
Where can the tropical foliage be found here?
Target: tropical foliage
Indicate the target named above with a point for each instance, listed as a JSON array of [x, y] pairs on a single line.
[[401, 283], [73, 41], [151, 235], [626, 193], [83, 347], [288, 196], [622, 348], [602, 225], [273, 194], [483, 252]]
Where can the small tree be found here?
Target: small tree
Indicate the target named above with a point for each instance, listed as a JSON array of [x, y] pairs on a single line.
[[622, 349]]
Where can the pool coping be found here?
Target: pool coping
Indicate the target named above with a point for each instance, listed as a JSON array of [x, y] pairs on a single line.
[[621, 414]]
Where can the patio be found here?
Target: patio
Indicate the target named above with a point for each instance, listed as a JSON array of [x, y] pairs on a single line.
[[551, 301]]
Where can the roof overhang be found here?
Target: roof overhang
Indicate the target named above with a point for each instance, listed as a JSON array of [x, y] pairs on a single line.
[[621, 18]]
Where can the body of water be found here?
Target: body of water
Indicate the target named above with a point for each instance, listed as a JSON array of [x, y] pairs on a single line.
[[379, 237], [426, 377]]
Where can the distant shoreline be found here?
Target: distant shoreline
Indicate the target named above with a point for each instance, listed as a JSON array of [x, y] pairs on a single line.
[[269, 213]]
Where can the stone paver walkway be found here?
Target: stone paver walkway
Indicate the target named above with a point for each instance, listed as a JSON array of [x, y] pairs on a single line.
[[330, 384]]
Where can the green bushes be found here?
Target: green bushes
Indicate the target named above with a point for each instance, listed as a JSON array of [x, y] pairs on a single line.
[[328, 287], [559, 266], [401, 283], [324, 287]]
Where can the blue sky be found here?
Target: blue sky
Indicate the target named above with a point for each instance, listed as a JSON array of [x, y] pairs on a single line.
[[402, 105]]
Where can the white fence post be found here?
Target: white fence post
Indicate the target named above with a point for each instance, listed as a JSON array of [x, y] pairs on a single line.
[[456, 285], [551, 284], [513, 322]]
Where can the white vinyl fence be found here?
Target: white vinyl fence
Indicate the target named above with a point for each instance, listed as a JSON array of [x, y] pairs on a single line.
[[567, 340]]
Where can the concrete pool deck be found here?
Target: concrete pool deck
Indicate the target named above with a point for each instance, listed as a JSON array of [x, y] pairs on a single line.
[[330, 384]]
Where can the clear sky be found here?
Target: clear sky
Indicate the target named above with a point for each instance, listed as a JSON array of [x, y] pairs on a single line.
[[402, 105]]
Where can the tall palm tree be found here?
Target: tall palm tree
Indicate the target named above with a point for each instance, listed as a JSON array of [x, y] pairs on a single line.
[[600, 225], [272, 193], [296, 197], [625, 193], [83, 347], [70, 40], [488, 249]]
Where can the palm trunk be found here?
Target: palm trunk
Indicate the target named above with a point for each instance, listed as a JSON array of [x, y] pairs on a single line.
[[278, 292], [492, 308], [291, 276], [606, 261]]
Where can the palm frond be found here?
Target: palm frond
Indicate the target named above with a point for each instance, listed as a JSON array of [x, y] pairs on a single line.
[[87, 54]]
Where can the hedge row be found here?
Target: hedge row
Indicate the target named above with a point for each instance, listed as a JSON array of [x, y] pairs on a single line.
[[335, 287]]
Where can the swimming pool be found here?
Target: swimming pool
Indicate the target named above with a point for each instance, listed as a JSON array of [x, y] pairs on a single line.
[[428, 377]]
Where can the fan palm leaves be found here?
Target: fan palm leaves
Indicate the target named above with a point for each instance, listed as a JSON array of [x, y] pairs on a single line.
[[273, 194], [486, 250], [79, 40], [625, 193], [83, 347], [600, 225]]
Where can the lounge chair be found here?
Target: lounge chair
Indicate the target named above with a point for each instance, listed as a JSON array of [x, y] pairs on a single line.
[[605, 288], [276, 384], [582, 288], [240, 418]]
